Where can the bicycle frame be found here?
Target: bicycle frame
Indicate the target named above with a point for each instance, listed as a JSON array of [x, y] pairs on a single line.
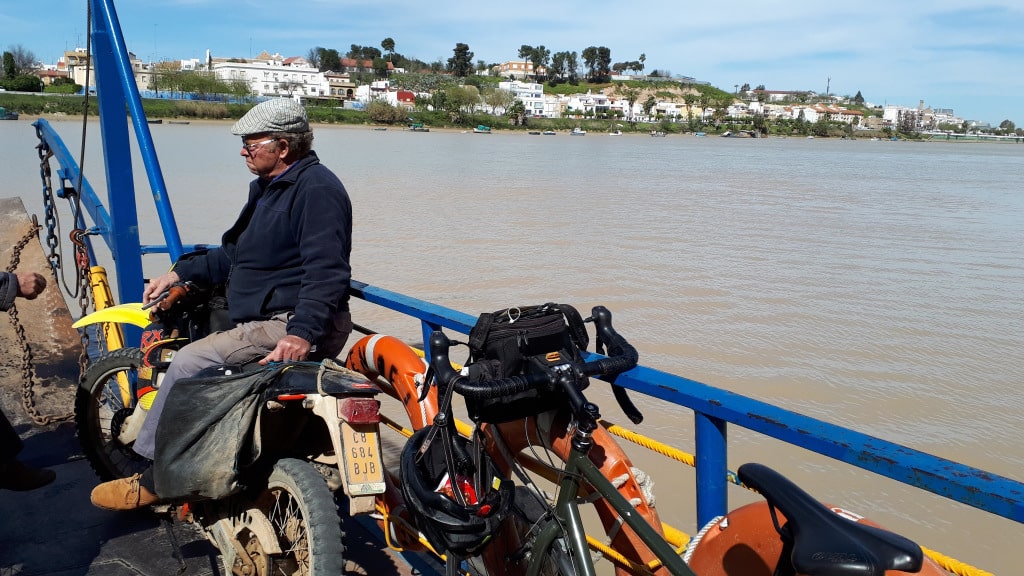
[[567, 514]]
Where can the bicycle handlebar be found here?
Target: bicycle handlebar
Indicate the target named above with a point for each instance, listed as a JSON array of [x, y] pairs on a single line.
[[622, 356]]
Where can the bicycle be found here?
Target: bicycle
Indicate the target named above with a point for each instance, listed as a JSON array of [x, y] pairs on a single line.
[[552, 540]]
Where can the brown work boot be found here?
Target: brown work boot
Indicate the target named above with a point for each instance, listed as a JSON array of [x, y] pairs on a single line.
[[19, 477], [122, 494]]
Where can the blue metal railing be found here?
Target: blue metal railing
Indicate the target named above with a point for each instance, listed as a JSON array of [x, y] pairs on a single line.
[[714, 408]]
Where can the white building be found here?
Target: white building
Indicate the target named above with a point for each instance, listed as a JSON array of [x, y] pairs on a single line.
[[274, 75], [531, 94]]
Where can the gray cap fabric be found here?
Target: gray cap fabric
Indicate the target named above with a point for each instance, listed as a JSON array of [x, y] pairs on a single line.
[[277, 115]]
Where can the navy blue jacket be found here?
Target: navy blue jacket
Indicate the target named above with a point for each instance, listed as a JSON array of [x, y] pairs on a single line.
[[288, 251]]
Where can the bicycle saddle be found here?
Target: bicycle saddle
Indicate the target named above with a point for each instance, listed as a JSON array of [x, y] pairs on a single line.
[[824, 542]]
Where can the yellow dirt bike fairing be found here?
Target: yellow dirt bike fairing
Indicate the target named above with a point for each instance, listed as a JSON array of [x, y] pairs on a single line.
[[131, 313]]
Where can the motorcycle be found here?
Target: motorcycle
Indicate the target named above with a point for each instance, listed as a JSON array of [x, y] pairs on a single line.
[[316, 431]]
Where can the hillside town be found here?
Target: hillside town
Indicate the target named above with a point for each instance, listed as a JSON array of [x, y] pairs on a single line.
[[273, 75]]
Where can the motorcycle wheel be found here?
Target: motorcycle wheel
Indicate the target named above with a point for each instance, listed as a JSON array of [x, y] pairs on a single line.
[[100, 412], [304, 517]]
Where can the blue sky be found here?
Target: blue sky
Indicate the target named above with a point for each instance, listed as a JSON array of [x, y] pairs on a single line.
[[965, 55]]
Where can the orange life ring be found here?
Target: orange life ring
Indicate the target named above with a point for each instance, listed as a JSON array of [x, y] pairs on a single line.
[[379, 355], [745, 542]]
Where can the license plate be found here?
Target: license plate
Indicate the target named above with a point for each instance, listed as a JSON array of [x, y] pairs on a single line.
[[364, 471]]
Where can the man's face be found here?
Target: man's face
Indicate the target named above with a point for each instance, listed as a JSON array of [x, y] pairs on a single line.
[[262, 154]]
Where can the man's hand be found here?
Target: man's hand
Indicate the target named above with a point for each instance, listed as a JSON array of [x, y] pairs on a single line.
[[288, 349], [30, 284], [158, 286]]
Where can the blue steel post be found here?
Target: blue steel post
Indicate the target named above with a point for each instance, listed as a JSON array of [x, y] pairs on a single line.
[[711, 465], [112, 63], [124, 222]]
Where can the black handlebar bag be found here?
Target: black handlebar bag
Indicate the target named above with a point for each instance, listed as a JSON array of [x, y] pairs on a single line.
[[517, 341]]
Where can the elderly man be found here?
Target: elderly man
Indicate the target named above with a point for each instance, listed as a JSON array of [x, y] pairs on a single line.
[[285, 264], [14, 474]]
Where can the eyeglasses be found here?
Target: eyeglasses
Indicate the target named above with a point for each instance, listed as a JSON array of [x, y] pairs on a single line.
[[252, 148]]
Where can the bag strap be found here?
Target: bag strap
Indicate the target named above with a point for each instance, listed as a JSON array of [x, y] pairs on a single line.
[[478, 334], [577, 329]]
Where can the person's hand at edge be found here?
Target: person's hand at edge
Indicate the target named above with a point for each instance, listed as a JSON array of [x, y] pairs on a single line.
[[158, 286], [30, 284], [289, 349]]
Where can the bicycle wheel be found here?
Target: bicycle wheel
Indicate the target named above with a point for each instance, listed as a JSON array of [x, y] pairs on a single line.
[[550, 432], [304, 517], [104, 418], [532, 512]]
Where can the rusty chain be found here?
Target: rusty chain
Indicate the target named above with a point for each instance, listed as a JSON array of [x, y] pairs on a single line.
[[27, 367], [82, 265]]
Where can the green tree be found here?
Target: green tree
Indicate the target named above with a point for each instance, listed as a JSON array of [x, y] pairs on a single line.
[[459, 102], [10, 68], [604, 64], [557, 70], [498, 98], [461, 63], [1007, 126], [380, 67], [24, 60], [858, 99], [642, 60], [541, 58], [517, 113], [821, 126], [590, 58], [526, 54], [363, 52], [572, 67], [649, 105], [384, 113], [388, 44], [330, 59], [24, 83]]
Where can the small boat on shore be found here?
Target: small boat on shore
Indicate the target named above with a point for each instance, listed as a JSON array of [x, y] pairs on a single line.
[[657, 134], [481, 129], [157, 121], [183, 122], [534, 132], [577, 131], [549, 132], [6, 114]]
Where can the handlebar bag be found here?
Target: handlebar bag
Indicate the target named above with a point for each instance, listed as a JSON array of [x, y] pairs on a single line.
[[517, 341]]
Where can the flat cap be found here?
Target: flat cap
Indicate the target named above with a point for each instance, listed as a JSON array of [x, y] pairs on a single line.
[[277, 115]]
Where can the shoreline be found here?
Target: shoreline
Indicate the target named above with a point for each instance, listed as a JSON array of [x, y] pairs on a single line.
[[59, 117]]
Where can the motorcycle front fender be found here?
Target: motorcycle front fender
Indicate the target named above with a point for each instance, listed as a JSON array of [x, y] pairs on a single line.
[[131, 313]]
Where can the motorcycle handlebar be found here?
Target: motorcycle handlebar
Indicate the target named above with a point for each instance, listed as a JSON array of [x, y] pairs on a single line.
[[622, 356]]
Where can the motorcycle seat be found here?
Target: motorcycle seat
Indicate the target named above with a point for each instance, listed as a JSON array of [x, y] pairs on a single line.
[[313, 378]]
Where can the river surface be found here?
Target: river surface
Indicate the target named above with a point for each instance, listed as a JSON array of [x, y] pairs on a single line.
[[877, 285]]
